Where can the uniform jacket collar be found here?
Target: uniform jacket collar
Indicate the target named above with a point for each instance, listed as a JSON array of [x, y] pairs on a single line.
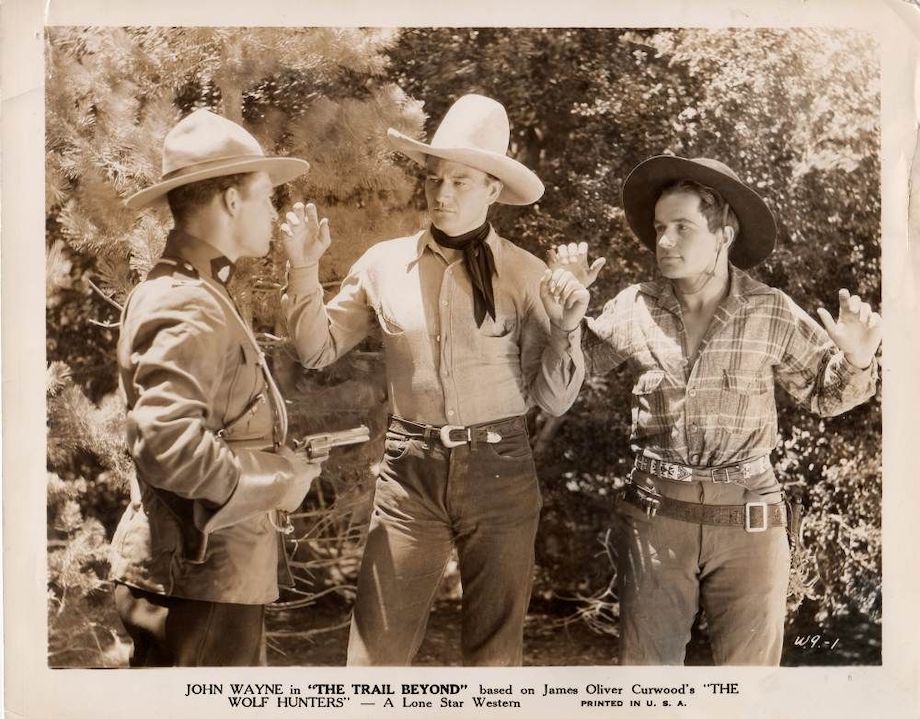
[[198, 253]]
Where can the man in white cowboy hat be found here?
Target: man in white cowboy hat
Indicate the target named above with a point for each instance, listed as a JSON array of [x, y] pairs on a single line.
[[702, 522], [476, 331], [195, 557]]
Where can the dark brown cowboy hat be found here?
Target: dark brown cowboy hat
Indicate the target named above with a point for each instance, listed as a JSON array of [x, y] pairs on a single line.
[[757, 235]]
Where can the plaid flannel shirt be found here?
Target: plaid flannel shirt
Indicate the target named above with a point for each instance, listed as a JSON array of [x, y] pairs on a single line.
[[719, 407]]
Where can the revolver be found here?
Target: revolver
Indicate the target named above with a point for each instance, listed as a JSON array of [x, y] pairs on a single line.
[[318, 446]]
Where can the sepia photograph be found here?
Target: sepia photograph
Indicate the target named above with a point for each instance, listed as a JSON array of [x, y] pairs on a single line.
[[504, 366], [728, 180]]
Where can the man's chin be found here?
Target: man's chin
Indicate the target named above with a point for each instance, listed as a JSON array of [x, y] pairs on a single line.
[[670, 269]]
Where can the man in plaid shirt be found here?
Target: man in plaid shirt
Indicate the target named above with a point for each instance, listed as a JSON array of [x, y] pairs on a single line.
[[702, 520]]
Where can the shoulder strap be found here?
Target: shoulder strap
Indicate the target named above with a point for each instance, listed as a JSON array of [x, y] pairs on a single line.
[[277, 403]]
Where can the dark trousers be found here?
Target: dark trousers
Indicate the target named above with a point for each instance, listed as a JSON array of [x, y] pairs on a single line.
[[484, 500], [668, 569], [171, 631]]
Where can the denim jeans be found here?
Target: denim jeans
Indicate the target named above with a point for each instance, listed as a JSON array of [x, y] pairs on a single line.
[[484, 500], [668, 568]]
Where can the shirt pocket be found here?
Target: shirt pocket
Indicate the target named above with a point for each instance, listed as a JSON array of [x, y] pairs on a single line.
[[648, 405], [498, 328], [743, 400], [496, 341]]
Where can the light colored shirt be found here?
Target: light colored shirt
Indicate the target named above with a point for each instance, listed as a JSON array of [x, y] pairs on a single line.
[[719, 407], [441, 368]]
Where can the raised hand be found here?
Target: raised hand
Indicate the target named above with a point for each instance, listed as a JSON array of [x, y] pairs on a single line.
[[564, 298], [574, 258], [305, 236], [857, 330]]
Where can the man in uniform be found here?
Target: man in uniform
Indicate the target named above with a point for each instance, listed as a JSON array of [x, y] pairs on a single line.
[[702, 519], [475, 332], [196, 554]]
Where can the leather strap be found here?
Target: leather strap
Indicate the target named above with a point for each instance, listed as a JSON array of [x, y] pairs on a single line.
[[683, 473], [753, 516], [485, 432]]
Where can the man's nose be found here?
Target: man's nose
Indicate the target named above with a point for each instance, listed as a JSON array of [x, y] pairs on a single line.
[[665, 240], [444, 192]]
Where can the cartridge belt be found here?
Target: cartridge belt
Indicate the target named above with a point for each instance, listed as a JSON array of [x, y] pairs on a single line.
[[753, 516], [683, 473]]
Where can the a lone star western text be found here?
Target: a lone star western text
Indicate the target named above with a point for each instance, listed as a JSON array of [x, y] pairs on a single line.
[[279, 695]]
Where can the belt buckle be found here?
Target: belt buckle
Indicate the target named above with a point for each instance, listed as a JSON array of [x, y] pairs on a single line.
[[445, 435], [715, 477], [747, 517], [649, 501]]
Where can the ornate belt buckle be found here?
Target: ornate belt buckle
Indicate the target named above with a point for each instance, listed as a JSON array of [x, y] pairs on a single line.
[[747, 517], [446, 439]]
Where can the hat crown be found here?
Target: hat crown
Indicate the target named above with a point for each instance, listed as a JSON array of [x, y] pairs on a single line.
[[717, 166], [476, 122], [203, 137]]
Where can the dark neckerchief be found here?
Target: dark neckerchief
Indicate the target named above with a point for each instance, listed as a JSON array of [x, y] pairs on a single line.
[[479, 263]]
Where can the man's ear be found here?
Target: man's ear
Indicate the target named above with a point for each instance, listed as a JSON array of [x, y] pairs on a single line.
[[230, 200], [495, 189], [728, 235]]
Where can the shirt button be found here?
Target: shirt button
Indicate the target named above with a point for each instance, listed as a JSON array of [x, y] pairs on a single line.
[[695, 458], [692, 393], [450, 413], [437, 338], [443, 303]]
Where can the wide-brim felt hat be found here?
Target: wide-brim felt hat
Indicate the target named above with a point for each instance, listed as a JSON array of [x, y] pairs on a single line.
[[202, 146], [475, 132], [642, 189]]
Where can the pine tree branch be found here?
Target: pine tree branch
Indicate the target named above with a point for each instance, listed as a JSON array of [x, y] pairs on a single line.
[[105, 325], [104, 296]]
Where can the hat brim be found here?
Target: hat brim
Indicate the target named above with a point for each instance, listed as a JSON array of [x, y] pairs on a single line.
[[757, 233], [521, 186], [279, 169]]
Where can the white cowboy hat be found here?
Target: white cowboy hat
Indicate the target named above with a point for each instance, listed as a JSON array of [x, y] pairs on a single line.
[[203, 145], [475, 132]]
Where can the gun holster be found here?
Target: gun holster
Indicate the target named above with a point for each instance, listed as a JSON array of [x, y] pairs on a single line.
[[795, 509]]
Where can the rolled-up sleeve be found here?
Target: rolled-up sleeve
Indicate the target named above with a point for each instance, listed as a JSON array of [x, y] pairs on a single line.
[[815, 372], [606, 336]]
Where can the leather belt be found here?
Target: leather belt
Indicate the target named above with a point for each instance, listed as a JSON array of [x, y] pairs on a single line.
[[753, 516], [682, 473], [454, 435]]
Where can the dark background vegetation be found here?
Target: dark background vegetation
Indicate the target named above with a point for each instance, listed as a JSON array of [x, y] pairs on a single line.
[[794, 112]]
